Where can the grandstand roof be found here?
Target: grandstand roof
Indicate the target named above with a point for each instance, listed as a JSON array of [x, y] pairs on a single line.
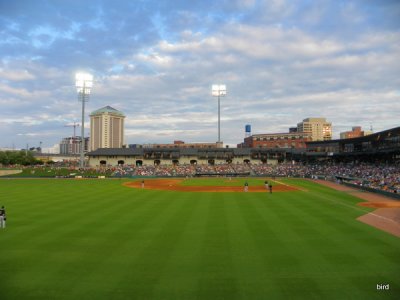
[[387, 141], [181, 151], [116, 151], [184, 151], [379, 141], [377, 136], [241, 151], [188, 151]]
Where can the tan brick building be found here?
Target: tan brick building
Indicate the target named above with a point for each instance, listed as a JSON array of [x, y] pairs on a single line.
[[106, 128], [319, 128]]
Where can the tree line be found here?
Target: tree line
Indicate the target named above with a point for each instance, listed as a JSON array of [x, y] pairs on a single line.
[[22, 157]]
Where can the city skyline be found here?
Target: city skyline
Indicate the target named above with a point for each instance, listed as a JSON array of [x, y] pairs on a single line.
[[156, 61]]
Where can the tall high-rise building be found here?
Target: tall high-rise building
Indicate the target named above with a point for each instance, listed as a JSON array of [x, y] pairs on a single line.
[[319, 128], [106, 128]]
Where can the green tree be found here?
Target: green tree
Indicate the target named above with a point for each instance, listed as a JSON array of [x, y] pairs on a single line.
[[22, 157]]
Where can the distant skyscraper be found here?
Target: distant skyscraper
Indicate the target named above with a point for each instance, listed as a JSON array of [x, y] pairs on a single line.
[[106, 128], [319, 128]]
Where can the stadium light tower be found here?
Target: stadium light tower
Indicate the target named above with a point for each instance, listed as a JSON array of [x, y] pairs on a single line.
[[219, 90], [84, 83]]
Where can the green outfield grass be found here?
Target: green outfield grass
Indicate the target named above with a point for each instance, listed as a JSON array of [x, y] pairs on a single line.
[[97, 239]]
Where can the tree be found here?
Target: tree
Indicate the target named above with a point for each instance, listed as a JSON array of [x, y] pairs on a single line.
[[22, 157]]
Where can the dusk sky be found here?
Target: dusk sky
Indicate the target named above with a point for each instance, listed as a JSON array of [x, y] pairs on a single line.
[[281, 60]]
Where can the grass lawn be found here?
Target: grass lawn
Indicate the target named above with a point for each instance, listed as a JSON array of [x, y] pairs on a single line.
[[97, 239]]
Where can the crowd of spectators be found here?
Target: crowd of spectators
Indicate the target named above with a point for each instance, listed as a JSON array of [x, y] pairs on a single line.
[[242, 168], [185, 170], [384, 177], [156, 170], [378, 175]]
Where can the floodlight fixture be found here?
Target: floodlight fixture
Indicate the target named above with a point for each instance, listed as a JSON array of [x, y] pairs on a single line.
[[219, 90], [84, 84]]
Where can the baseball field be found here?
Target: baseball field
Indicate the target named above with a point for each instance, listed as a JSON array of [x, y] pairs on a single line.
[[188, 239]]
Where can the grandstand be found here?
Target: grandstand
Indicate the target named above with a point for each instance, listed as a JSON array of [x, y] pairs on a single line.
[[371, 161], [383, 146], [190, 156]]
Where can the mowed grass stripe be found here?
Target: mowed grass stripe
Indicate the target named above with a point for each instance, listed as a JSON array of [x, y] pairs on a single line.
[[125, 243], [263, 255], [138, 261], [218, 278], [347, 239], [251, 238], [121, 242], [322, 258], [180, 276], [318, 247], [98, 247], [63, 212]]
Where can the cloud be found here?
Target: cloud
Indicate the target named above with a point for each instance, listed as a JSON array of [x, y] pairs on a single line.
[[282, 61], [16, 75]]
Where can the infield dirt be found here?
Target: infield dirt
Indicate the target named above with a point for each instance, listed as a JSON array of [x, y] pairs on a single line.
[[176, 185]]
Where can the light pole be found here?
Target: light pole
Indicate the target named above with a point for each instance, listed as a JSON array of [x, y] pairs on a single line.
[[219, 90], [84, 83]]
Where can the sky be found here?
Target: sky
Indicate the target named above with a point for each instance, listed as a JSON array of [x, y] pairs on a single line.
[[155, 60]]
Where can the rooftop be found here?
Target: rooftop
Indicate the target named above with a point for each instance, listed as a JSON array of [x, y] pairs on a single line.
[[109, 110]]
